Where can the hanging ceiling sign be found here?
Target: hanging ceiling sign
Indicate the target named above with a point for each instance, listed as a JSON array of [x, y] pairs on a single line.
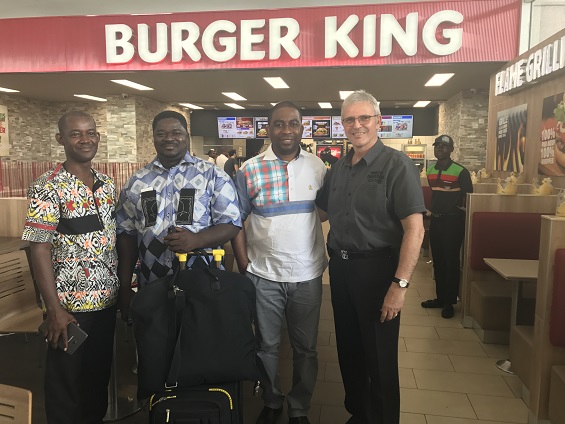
[[363, 35]]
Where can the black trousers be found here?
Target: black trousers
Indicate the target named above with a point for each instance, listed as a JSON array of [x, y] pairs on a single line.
[[76, 386], [446, 235], [367, 349]]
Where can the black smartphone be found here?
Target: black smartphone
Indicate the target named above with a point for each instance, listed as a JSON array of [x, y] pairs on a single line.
[[75, 337]]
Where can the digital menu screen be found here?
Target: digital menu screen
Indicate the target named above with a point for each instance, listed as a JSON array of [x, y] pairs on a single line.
[[261, 127], [245, 127], [307, 124], [396, 126], [226, 127], [321, 126], [337, 127]]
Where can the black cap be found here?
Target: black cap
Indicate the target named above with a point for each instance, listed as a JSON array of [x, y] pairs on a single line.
[[443, 139], [210, 151]]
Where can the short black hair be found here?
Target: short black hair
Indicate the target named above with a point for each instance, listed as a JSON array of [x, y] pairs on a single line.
[[170, 114], [280, 105], [232, 152], [75, 113]]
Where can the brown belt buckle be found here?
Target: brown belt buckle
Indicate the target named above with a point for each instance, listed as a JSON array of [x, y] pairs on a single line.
[[344, 254]]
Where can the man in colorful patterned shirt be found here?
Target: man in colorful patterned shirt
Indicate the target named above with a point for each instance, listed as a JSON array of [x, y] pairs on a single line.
[[72, 232], [450, 182], [282, 251], [174, 190]]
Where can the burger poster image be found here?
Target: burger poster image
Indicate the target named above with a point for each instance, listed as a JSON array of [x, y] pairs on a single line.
[[4, 144], [511, 139], [261, 127], [552, 136]]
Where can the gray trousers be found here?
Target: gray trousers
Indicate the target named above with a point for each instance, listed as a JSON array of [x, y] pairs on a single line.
[[300, 303]]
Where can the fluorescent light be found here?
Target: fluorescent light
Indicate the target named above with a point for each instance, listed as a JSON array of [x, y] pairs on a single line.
[[276, 82], [325, 105], [234, 105], [438, 79], [132, 84], [8, 90], [235, 96], [190, 106], [273, 104], [89, 97], [422, 103], [343, 94]]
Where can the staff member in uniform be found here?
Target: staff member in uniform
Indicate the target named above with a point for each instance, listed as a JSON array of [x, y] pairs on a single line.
[[450, 182], [374, 202]]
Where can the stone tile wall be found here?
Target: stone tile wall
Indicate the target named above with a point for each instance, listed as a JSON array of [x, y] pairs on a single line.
[[465, 118]]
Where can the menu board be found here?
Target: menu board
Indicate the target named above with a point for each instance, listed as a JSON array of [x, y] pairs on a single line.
[[322, 126], [396, 126], [226, 127], [337, 127], [232, 127], [261, 127], [307, 124], [245, 127]]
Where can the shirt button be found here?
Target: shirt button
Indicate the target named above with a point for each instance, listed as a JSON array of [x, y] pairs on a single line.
[[346, 213]]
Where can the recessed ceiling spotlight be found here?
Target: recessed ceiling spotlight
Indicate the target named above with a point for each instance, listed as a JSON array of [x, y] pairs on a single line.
[[190, 106], [438, 79], [89, 97], [132, 84], [325, 105], [234, 105], [422, 103], [343, 94], [8, 90], [276, 82], [235, 96]]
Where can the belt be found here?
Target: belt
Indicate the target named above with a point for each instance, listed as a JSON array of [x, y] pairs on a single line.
[[350, 254], [439, 215]]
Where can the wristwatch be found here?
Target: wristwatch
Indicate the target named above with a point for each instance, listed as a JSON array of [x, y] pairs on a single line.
[[401, 282]]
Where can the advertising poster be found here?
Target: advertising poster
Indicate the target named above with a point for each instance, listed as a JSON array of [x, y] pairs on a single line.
[[337, 127], [511, 139], [226, 127], [261, 127], [396, 126], [552, 136], [4, 134], [329, 154]]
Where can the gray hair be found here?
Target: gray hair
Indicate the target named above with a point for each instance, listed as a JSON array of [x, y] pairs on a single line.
[[360, 96]]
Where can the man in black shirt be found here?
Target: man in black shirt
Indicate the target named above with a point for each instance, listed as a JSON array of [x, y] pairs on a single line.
[[231, 167], [374, 202], [450, 182]]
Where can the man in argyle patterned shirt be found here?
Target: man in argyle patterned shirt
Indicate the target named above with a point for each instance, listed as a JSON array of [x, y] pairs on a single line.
[[175, 189]]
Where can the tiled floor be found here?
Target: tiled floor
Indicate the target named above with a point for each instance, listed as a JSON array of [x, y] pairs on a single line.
[[447, 375]]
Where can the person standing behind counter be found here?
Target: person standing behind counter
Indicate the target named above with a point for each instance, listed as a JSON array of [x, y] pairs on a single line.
[[175, 189], [374, 202], [72, 233], [450, 182]]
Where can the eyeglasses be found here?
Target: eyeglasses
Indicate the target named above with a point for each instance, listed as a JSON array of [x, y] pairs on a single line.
[[363, 119]]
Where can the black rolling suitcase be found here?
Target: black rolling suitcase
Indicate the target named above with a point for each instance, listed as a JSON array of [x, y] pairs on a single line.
[[204, 404]]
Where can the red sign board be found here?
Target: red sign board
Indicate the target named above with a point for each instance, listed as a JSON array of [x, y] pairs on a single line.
[[363, 35]]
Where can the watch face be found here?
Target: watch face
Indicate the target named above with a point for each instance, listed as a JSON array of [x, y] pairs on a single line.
[[403, 283]]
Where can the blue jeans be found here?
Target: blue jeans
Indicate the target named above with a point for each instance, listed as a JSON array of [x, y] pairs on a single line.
[[300, 303]]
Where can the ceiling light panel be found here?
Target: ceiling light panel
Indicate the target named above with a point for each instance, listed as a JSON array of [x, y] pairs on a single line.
[[8, 90], [190, 106], [235, 96], [89, 97], [325, 105], [234, 105], [276, 82], [422, 103], [343, 94], [438, 80], [132, 84]]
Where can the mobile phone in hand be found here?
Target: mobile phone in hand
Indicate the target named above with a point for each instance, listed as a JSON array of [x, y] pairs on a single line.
[[75, 337]]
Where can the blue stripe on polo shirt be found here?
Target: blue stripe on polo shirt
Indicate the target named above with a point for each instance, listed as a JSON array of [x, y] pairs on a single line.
[[286, 208]]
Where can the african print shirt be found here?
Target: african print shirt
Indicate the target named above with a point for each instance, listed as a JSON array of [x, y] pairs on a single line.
[[80, 224], [194, 195]]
